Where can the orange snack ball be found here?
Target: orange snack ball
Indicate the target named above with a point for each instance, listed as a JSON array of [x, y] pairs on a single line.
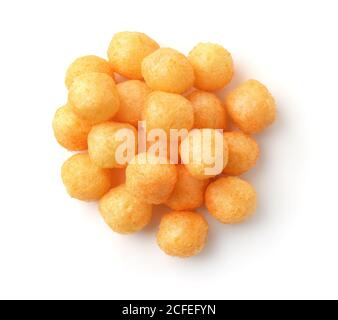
[[133, 94], [251, 107], [168, 111], [84, 180], [104, 140], [127, 51], [230, 200], [182, 234], [151, 178], [188, 193], [168, 70], [87, 64], [208, 110], [123, 212], [70, 131], [94, 97], [243, 153], [198, 147], [213, 66]]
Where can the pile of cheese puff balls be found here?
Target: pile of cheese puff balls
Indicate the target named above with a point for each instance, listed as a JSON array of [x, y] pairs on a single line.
[[167, 90]]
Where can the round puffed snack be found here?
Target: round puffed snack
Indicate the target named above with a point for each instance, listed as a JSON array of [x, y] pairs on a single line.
[[153, 132], [230, 200], [105, 140], [133, 94], [243, 153], [127, 51], [168, 111], [94, 97], [188, 193], [251, 107], [70, 131], [151, 178], [87, 64], [123, 212], [182, 234], [168, 70], [208, 110], [84, 180], [213, 66], [204, 153]]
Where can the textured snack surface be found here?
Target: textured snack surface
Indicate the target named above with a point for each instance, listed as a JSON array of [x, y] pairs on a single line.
[[199, 152], [70, 131], [231, 200], [133, 94], [104, 141], [168, 70], [213, 66], [251, 107], [182, 234], [188, 193], [87, 64], [84, 180], [167, 111], [151, 178], [123, 212], [243, 153], [94, 97], [127, 51], [208, 111]]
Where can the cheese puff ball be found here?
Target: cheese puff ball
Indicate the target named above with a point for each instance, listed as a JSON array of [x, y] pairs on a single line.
[[94, 97], [182, 234], [251, 107], [208, 110], [168, 70], [231, 200], [213, 66], [84, 180], [127, 51], [243, 153], [87, 64], [70, 131], [133, 94], [151, 178], [188, 193], [201, 153], [168, 111], [106, 138], [123, 212]]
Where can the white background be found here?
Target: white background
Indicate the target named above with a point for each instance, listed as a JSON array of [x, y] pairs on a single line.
[[54, 247]]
